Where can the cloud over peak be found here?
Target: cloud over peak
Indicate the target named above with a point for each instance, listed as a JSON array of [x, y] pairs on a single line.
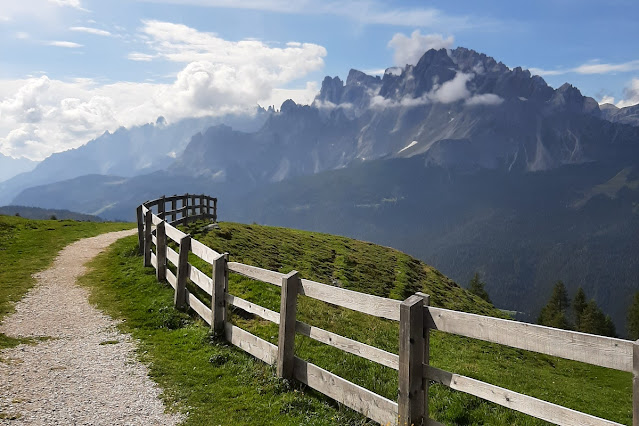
[[408, 50]]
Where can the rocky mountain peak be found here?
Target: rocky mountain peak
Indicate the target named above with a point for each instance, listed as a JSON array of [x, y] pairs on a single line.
[[331, 91]]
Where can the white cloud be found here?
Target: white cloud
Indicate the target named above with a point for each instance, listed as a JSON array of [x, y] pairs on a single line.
[[21, 35], [452, 90], [76, 4], [606, 99], [90, 30], [39, 116], [484, 99], [591, 67], [630, 93], [408, 50], [66, 44], [140, 57]]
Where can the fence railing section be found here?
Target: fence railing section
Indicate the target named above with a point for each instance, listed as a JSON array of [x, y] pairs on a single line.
[[416, 318]]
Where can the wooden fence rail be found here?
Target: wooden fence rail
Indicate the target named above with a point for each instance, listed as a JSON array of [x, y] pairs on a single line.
[[416, 318]]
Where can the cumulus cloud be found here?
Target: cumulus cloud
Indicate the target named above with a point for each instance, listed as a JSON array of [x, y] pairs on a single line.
[[408, 50], [91, 30], [452, 90], [631, 94], [39, 116]]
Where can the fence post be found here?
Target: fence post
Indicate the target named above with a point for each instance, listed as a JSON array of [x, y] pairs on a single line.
[[160, 250], [426, 299], [185, 204], [218, 301], [215, 210], [140, 217], [179, 300], [286, 337], [635, 383], [161, 207], [173, 207], [411, 359], [147, 237]]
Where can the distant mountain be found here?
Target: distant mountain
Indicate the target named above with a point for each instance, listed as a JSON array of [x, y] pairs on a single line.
[[461, 108], [39, 214], [627, 115], [10, 167], [125, 152]]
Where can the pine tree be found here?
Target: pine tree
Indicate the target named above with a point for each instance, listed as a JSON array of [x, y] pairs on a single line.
[[594, 321], [633, 318], [578, 305], [476, 286], [554, 313]]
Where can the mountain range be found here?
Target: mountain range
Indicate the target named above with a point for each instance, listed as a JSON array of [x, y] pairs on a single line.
[[9, 166], [459, 160]]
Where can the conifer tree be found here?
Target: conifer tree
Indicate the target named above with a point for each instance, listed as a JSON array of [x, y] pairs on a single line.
[[594, 321], [554, 313], [578, 305], [476, 286]]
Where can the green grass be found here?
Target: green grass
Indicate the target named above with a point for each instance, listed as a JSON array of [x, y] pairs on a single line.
[[29, 246], [219, 384]]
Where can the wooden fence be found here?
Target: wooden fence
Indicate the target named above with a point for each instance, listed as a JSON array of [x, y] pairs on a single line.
[[416, 318]]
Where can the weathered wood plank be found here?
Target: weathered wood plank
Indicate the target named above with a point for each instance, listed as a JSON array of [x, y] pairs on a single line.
[[160, 270], [196, 304], [172, 256], [147, 238], [367, 303], [373, 406], [524, 404], [351, 346], [174, 233], [286, 336], [154, 240], [252, 308], [154, 260], [218, 290], [588, 348], [144, 210], [203, 252], [182, 273], [140, 219], [200, 279], [256, 273], [156, 220], [635, 383], [411, 359], [171, 279], [426, 299], [259, 348]]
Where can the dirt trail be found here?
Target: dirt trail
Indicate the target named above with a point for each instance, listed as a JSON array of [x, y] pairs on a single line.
[[86, 372]]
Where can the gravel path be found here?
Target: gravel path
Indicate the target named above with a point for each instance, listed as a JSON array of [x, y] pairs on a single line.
[[86, 372]]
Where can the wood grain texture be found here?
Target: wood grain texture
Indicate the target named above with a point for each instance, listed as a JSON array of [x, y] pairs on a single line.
[[252, 308], [373, 406], [286, 336], [525, 404], [367, 303], [196, 304], [203, 252], [174, 233], [256, 273], [200, 279], [155, 220], [426, 299], [219, 286], [147, 238], [259, 348], [172, 256], [354, 347], [154, 260], [171, 279], [160, 270], [411, 359], [588, 348], [179, 299], [140, 219]]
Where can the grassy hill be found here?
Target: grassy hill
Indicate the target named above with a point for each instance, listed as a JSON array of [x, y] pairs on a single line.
[[219, 384], [28, 246], [43, 214]]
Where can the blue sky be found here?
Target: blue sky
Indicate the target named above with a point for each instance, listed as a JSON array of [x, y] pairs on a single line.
[[71, 69]]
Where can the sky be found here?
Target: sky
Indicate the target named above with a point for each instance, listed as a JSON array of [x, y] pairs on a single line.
[[72, 69]]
